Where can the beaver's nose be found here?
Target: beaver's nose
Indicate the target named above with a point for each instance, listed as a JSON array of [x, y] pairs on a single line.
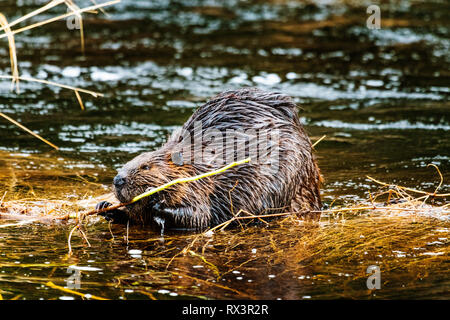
[[119, 181]]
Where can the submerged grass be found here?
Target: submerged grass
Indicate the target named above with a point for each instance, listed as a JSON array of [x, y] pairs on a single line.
[[329, 257], [394, 222], [332, 253]]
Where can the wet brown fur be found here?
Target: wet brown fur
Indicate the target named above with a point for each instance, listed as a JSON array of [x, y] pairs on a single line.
[[250, 187]]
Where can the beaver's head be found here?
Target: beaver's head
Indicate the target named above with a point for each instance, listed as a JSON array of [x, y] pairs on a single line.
[[146, 171]]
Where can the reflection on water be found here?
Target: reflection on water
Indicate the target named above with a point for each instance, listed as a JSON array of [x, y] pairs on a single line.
[[380, 96], [286, 260]]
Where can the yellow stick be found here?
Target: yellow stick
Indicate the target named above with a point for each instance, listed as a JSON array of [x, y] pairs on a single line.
[[182, 180], [54, 286], [160, 188]]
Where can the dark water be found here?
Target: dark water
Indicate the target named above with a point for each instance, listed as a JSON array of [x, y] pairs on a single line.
[[380, 96]]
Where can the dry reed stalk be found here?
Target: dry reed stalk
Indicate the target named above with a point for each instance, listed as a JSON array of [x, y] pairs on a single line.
[[410, 189], [83, 295], [28, 130], [60, 17], [70, 4], [75, 9], [92, 93], [241, 294], [70, 238], [48, 6], [9, 33], [79, 100], [100, 8], [318, 141], [12, 52]]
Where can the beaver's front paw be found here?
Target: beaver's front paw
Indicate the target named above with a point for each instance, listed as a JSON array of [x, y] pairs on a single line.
[[109, 215], [102, 205], [115, 216]]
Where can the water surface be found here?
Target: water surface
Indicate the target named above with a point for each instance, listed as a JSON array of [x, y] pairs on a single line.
[[380, 96]]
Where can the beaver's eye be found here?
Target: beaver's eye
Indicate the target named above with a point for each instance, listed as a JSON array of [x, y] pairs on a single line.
[[145, 167]]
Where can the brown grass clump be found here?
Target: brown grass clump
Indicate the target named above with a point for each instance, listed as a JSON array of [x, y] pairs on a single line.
[[400, 200], [401, 204]]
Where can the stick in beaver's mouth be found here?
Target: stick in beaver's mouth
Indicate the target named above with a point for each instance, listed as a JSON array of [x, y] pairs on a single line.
[[165, 186]]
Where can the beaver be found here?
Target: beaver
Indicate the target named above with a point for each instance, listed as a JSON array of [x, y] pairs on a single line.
[[282, 176]]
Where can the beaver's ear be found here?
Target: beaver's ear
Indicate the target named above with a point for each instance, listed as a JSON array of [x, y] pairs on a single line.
[[177, 158]]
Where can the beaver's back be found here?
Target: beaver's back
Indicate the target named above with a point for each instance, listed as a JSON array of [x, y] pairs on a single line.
[[282, 175], [245, 108]]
